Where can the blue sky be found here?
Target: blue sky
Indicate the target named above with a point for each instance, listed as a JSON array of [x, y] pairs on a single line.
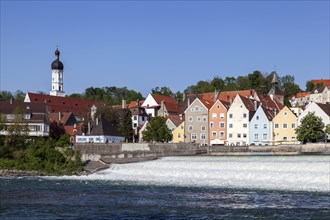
[[144, 44]]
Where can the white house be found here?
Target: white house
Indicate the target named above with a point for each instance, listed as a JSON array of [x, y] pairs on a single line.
[[100, 131], [320, 110]]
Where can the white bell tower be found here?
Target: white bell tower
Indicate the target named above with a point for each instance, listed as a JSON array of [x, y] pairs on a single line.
[[57, 76]]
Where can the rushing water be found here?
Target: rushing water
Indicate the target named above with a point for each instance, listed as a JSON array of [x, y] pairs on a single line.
[[179, 188]]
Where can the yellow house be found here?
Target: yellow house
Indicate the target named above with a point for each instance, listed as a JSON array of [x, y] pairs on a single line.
[[178, 134], [284, 125]]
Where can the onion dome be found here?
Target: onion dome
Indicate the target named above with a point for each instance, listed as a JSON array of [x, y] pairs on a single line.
[[57, 64]]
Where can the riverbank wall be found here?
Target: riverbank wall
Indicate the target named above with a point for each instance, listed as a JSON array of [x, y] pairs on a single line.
[[278, 150], [135, 152]]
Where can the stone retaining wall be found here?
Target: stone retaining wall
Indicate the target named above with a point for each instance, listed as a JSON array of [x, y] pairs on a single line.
[[135, 151]]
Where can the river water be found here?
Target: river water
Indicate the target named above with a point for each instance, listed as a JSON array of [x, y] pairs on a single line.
[[200, 187]]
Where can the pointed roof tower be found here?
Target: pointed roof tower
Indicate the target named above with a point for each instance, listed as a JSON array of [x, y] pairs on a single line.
[[275, 90]]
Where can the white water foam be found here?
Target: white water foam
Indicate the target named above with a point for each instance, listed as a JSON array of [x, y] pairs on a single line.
[[298, 173]]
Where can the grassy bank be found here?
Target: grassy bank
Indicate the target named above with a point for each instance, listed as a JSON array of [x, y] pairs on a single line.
[[40, 155]]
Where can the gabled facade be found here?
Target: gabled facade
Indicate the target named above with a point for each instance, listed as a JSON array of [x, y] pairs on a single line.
[[239, 115], [159, 105], [284, 125], [139, 117], [261, 126], [32, 115], [320, 110], [320, 95], [67, 119], [178, 134], [196, 122], [100, 131], [218, 123], [172, 123]]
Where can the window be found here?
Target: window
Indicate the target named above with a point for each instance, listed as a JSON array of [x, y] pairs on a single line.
[[221, 134], [203, 128], [285, 125], [214, 134], [230, 135], [193, 136], [196, 108], [245, 115], [244, 125], [276, 125], [238, 135], [199, 119], [190, 119], [203, 136], [256, 136], [190, 128], [231, 116], [211, 124], [143, 119], [134, 125], [135, 117], [293, 125], [222, 124], [285, 138], [179, 135], [255, 126], [214, 115], [265, 126], [264, 136], [293, 138], [26, 116], [222, 115], [230, 125], [244, 135], [204, 118]]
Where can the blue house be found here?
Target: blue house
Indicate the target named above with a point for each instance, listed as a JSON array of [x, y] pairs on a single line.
[[261, 126]]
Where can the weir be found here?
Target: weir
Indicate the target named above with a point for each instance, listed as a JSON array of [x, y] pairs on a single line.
[[303, 173]]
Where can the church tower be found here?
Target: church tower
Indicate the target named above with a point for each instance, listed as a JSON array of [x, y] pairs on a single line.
[[57, 76], [275, 92]]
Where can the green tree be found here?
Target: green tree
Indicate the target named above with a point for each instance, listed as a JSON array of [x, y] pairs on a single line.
[[309, 86], [56, 130], [125, 124], [157, 131], [19, 96], [162, 91], [5, 96], [310, 129], [243, 82], [17, 130], [258, 82], [218, 83]]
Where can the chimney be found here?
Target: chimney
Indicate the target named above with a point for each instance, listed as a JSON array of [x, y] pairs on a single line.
[[11, 101], [89, 128], [230, 101], [183, 97], [188, 101], [59, 116], [138, 103], [181, 118], [97, 121], [162, 107], [255, 105], [123, 103]]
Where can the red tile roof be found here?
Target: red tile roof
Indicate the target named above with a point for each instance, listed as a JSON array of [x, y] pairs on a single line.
[[56, 117], [166, 99], [230, 95], [208, 104], [64, 104], [302, 94], [326, 82], [134, 104]]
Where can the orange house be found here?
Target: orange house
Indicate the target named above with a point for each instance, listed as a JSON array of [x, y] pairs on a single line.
[[218, 123]]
